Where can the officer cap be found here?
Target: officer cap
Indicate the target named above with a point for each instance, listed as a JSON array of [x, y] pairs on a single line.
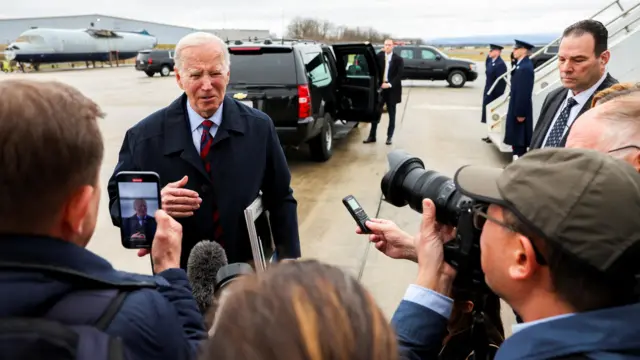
[[522, 44]]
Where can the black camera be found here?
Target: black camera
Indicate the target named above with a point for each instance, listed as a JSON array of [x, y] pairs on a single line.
[[228, 274], [407, 182]]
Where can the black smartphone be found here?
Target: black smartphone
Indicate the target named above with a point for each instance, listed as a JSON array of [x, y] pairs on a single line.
[[139, 198], [357, 212]]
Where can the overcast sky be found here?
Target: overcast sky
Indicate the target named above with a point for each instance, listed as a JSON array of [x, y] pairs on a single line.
[[402, 18]]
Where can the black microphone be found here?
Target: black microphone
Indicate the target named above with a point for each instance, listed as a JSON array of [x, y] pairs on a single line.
[[205, 260]]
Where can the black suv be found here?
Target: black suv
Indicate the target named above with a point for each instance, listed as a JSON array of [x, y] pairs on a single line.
[[423, 62], [310, 90], [153, 61]]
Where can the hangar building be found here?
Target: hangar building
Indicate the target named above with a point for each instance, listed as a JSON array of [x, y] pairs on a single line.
[[10, 29]]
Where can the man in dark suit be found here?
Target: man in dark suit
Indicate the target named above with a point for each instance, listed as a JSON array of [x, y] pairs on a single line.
[[140, 226], [214, 155], [519, 122], [495, 67], [392, 67], [582, 60]]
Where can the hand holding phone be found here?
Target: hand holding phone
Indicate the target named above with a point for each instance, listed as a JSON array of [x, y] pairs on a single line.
[[139, 198], [357, 212]]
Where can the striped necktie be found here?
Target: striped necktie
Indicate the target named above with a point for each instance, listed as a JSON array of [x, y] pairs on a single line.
[[205, 148]]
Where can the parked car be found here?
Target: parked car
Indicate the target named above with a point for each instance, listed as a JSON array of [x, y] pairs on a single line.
[[423, 62], [155, 61], [310, 90]]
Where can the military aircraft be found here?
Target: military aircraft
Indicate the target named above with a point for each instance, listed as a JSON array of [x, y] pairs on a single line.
[[47, 46]]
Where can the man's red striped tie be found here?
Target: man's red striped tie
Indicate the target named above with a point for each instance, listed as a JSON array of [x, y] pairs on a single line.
[[205, 147]]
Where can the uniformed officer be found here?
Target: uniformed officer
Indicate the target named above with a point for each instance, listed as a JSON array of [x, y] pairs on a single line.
[[495, 67], [519, 122]]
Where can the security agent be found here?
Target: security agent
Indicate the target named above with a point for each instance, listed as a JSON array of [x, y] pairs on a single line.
[[560, 242], [583, 56], [519, 122]]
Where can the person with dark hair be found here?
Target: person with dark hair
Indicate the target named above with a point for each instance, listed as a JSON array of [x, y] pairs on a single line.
[[299, 310], [57, 295], [460, 342], [582, 59], [560, 243]]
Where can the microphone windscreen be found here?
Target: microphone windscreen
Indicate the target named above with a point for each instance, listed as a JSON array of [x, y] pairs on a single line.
[[205, 260]]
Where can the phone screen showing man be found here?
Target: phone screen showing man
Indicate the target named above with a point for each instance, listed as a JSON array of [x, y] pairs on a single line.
[[138, 204]]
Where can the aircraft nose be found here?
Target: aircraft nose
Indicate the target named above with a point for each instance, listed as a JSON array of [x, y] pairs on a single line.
[[9, 54]]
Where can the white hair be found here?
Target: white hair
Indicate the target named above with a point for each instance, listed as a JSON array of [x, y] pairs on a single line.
[[197, 39], [623, 116]]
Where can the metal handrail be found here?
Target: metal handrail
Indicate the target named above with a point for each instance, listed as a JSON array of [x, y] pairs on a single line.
[[624, 13]]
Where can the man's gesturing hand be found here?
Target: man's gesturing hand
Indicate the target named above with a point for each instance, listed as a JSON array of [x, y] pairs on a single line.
[[433, 272], [390, 240], [167, 243], [178, 202]]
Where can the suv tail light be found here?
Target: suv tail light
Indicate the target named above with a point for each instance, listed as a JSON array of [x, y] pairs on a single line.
[[304, 102], [150, 60]]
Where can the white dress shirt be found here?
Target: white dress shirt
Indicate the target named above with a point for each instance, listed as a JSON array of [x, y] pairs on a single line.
[[581, 100], [195, 120], [388, 58]]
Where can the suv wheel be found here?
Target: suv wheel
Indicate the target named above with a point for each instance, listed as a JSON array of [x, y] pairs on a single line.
[[321, 146], [457, 79], [165, 71]]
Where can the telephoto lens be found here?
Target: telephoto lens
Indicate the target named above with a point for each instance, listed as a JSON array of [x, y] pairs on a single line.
[[407, 182]]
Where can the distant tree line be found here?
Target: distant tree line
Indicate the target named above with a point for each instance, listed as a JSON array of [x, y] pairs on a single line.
[[326, 31]]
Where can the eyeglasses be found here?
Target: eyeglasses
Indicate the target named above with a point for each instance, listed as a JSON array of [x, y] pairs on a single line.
[[480, 217], [625, 148]]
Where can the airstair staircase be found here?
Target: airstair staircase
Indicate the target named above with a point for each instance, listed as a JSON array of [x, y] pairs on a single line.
[[623, 23]]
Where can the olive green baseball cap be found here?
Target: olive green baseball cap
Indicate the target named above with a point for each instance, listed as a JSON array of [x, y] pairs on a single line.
[[586, 201]]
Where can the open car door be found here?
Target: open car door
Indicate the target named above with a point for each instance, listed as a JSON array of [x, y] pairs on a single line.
[[358, 82]]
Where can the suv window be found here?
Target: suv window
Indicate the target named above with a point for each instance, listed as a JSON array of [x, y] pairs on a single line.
[[357, 65], [406, 53], [317, 69], [163, 53], [263, 67], [428, 54]]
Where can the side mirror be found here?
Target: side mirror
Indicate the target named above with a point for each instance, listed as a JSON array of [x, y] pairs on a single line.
[[438, 57]]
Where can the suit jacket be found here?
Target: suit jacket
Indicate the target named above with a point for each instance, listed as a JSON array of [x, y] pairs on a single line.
[[246, 158], [132, 226], [552, 104], [493, 71], [520, 105], [396, 67], [420, 332]]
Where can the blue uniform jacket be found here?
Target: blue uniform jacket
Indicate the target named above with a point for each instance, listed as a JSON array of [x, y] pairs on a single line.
[[520, 105], [161, 323], [494, 69]]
